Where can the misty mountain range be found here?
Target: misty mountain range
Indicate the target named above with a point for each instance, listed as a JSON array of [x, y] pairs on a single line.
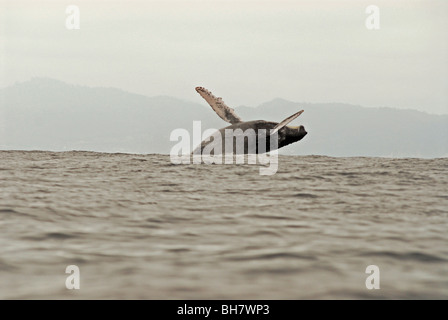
[[46, 114]]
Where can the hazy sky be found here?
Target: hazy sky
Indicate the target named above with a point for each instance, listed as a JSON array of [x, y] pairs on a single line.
[[248, 52]]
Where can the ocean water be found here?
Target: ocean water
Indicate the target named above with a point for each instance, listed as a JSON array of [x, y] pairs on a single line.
[[140, 227]]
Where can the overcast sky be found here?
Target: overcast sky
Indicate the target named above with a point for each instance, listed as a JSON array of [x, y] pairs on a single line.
[[248, 52]]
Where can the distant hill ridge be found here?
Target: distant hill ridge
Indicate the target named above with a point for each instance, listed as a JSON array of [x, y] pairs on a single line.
[[47, 114]]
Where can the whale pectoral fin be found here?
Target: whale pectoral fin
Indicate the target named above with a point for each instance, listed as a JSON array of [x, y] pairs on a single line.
[[286, 121], [222, 110]]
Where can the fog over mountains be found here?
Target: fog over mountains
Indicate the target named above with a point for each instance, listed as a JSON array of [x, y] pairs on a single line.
[[46, 114]]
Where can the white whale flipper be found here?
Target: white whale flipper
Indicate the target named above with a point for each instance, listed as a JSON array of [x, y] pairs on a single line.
[[222, 110], [286, 121]]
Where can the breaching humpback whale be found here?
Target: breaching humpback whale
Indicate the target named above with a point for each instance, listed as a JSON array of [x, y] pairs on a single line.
[[257, 131]]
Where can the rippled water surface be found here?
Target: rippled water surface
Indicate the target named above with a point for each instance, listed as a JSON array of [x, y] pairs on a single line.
[[139, 227]]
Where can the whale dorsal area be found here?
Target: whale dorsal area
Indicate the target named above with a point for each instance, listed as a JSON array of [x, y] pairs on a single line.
[[222, 110]]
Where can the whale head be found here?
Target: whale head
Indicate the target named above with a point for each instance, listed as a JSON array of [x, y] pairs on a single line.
[[291, 134]]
